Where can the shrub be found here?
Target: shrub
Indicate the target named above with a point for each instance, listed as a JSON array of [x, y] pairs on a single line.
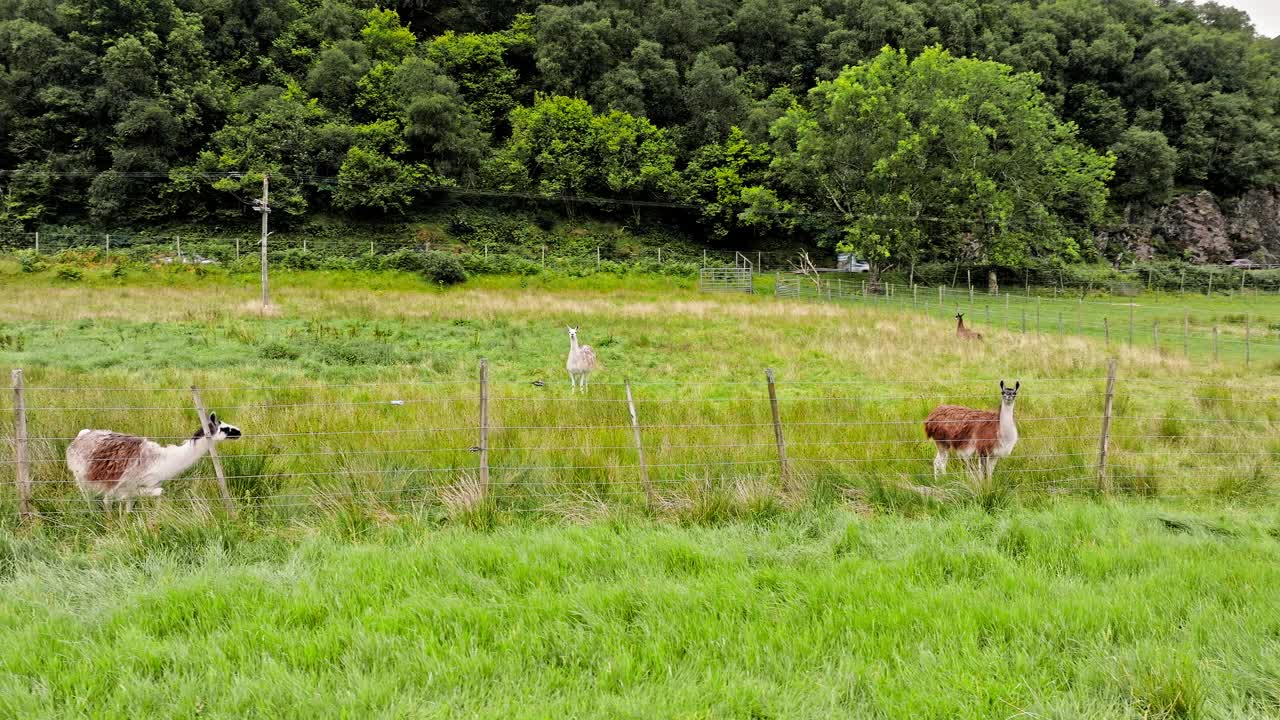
[[29, 261], [298, 259], [403, 260], [69, 273], [443, 268], [277, 350]]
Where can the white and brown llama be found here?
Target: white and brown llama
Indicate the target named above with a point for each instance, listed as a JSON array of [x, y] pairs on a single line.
[[582, 360], [963, 332], [123, 468], [974, 434]]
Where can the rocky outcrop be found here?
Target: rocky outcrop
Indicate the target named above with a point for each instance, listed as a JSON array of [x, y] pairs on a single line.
[[1201, 228], [1253, 222]]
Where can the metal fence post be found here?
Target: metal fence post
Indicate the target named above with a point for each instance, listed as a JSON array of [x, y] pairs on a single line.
[[1104, 484], [22, 464], [784, 469], [650, 496]]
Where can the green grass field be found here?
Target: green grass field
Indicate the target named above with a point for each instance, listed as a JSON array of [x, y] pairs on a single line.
[[367, 574]]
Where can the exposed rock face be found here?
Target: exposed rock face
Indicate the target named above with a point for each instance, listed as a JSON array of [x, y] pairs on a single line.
[[1254, 224], [1202, 228], [1193, 227]]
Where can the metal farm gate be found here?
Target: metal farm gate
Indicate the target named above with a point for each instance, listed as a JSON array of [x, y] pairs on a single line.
[[728, 279]]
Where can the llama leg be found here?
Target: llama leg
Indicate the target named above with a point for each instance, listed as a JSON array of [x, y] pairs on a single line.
[[991, 468], [573, 382], [586, 380], [939, 463], [128, 506]]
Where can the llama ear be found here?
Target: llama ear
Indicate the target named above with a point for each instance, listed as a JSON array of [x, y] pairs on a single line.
[[1017, 384], [1001, 386], [213, 420]]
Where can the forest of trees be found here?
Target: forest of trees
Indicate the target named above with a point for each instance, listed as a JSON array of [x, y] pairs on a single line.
[[990, 129]]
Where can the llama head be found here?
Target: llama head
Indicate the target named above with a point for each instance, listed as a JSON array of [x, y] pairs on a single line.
[[217, 430], [960, 316], [573, 333], [1007, 394]]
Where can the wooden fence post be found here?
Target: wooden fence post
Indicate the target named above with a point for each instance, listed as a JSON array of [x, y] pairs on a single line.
[[1106, 330], [1024, 319], [1104, 485], [213, 452], [22, 459], [1061, 331], [784, 470], [1131, 324], [649, 494], [37, 242], [1155, 334], [1215, 343], [940, 298], [1247, 333], [484, 427], [1037, 314]]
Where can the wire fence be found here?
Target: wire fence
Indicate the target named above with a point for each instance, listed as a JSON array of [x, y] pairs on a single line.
[[506, 444], [1249, 336]]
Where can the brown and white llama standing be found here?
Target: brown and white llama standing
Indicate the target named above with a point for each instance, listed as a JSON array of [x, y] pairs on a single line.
[[963, 332], [974, 434], [118, 467], [582, 360]]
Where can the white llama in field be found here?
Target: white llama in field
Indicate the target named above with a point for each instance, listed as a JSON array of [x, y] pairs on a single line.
[[969, 433], [119, 467], [582, 360]]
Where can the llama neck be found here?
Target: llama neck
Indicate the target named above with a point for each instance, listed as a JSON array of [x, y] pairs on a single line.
[[1006, 419], [172, 460], [573, 343]]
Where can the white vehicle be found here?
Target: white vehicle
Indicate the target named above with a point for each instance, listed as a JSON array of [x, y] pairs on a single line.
[[847, 262]]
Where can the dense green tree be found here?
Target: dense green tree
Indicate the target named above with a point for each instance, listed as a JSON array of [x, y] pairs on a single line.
[[124, 112], [896, 147]]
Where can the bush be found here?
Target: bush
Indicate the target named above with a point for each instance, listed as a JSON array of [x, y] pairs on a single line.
[[29, 261], [69, 273], [403, 260], [443, 268], [277, 350], [298, 259]]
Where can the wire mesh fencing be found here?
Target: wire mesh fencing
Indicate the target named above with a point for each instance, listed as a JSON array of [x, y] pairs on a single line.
[[525, 446], [1250, 336]]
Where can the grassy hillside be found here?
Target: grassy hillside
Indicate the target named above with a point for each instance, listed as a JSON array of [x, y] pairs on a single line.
[[366, 574]]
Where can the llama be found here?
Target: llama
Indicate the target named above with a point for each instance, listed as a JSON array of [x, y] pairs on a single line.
[[970, 433], [582, 360], [119, 467], [963, 332]]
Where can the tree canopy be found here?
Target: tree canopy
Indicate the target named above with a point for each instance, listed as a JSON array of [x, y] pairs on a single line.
[[141, 112]]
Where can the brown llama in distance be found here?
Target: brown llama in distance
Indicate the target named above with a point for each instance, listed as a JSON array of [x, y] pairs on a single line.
[[969, 433], [963, 332]]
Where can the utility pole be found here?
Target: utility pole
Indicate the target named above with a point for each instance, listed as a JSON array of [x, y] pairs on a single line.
[[265, 209]]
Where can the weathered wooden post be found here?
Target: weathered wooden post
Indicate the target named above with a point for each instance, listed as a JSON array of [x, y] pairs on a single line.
[[1104, 485], [784, 469], [22, 458], [650, 496], [484, 427], [213, 452], [1215, 343]]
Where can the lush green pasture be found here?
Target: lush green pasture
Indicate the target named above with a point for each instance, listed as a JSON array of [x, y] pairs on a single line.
[[366, 573], [362, 390], [1247, 324], [1061, 609]]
